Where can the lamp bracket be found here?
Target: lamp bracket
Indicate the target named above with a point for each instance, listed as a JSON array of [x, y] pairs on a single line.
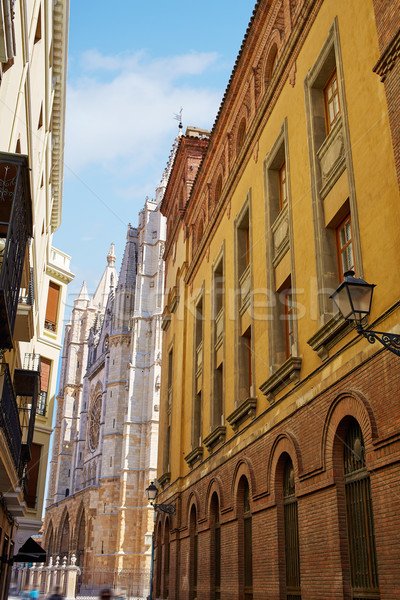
[[167, 508], [390, 341]]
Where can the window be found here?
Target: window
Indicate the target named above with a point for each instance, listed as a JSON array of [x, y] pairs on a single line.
[[64, 541], [344, 245], [215, 547], [166, 559], [38, 32], [241, 135], [282, 187], [45, 368], [332, 102], [218, 190], [360, 520], [246, 535], [33, 476], [194, 547], [219, 291], [289, 322], [272, 61], [292, 556], [50, 322], [167, 441], [198, 376]]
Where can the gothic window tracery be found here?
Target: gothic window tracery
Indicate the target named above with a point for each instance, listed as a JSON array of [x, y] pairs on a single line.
[[94, 424]]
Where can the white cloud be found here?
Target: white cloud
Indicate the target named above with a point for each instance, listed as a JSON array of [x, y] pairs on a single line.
[[120, 111]]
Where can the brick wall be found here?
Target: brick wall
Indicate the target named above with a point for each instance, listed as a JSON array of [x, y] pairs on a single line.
[[313, 437]]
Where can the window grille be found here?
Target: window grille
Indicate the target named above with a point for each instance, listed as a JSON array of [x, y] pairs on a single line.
[[292, 555], [360, 521]]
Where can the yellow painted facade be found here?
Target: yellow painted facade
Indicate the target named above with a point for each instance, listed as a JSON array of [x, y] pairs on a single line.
[[349, 171]]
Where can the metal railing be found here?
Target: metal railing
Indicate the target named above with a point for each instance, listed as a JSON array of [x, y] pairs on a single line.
[[9, 417], [15, 229]]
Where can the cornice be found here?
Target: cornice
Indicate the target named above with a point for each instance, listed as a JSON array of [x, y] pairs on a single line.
[[60, 50], [287, 58]]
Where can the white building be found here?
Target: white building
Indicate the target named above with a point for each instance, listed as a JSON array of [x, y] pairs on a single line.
[[33, 274], [105, 440]]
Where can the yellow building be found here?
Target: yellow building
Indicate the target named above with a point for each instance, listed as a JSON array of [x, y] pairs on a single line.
[[33, 274], [279, 423]]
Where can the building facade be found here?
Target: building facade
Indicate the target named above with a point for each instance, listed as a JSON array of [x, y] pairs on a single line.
[[106, 430], [33, 274], [279, 423]]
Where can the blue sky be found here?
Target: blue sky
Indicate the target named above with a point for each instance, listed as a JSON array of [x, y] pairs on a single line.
[[130, 68]]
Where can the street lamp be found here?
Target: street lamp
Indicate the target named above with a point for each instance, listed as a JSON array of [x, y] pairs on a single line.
[[152, 492], [353, 298]]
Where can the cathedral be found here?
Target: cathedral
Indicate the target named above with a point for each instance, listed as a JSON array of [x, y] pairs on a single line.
[[105, 435]]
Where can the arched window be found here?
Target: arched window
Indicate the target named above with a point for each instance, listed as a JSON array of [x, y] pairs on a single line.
[[215, 549], [166, 559], [360, 520], [64, 539], [199, 233], [292, 556], [241, 135], [80, 545], [246, 536], [218, 190], [194, 548], [106, 344], [50, 542], [272, 62], [158, 563]]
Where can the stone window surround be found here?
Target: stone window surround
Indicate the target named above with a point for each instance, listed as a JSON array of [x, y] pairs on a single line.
[[238, 370], [196, 452], [216, 428], [167, 413], [280, 374], [320, 145]]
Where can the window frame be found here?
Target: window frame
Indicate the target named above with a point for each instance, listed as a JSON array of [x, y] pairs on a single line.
[[328, 103], [341, 249]]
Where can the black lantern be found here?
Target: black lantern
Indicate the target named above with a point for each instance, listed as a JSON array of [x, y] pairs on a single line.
[[353, 298], [152, 492]]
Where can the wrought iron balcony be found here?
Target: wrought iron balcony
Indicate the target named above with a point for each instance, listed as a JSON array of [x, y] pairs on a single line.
[[27, 385], [15, 229], [9, 417]]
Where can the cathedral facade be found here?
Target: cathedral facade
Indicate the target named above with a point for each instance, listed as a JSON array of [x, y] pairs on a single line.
[[106, 429]]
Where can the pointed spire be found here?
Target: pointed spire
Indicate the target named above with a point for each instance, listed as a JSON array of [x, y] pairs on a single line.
[[83, 294], [108, 281], [111, 256]]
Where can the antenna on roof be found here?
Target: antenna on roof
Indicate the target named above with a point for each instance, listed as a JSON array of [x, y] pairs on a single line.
[[178, 117]]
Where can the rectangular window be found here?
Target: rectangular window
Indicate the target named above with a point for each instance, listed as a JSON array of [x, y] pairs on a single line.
[[50, 322], [344, 245], [167, 442], [219, 290], [45, 368], [289, 322], [282, 187], [33, 476], [331, 100]]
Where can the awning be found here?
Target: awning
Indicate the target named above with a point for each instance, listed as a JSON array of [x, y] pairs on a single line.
[[30, 552]]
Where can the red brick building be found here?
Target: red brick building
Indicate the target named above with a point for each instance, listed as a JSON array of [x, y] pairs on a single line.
[[279, 423]]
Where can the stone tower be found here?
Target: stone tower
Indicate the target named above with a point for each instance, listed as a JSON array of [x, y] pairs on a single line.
[[105, 440]]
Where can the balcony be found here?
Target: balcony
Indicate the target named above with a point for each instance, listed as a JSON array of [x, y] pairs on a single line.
[[24, 327], [27, 385], [15, 229], [9, 417]]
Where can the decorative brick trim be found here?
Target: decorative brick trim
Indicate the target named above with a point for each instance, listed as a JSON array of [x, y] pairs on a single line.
[[389, 58]]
